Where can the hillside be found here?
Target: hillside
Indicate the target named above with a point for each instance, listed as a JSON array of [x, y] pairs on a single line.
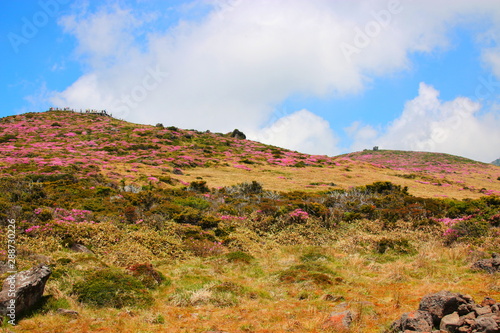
[[496, 162], [160, 229], [52, 142]]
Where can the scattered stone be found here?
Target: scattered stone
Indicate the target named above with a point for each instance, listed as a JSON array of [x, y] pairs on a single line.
[[68, 313], [80, 248], [340, 320], [452, 313], [420, 321], [238, 135], [488, 301], [333, 298], [486, 324], [489, 265], [41, 259], [482, 310], [29, 286], [132, 188], [450, 323], [443, 303]]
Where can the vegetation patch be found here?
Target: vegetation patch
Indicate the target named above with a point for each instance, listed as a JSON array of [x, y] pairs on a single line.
[[308, 272], [112, 288]]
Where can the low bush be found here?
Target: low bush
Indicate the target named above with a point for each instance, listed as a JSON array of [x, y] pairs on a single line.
[[149, 276], [112, 288], [309, 271], [240, 257]]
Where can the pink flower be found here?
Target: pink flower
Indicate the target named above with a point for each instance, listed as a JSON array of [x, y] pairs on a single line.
[[299, 214]]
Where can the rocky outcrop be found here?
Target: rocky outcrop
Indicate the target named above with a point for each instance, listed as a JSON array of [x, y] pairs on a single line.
[[339, 320], [238, 135], [489, 265], [80, 248], [23, 290], [451, 312]]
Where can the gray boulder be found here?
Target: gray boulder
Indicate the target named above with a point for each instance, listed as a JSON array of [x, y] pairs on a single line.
[[419, 321], [23, 290], [488, 265], [443, 303]]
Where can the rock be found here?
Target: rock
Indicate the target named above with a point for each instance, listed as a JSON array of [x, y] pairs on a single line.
[[443, 303], [482, 310], [340, 320], [132, 188], [68, 313], [488, 301], [28, 285], [41, 259], [489, 265], [238, 135], [450, 323], [80, 248], [486, 324], [464, 309], [333, 298], [420, 321]]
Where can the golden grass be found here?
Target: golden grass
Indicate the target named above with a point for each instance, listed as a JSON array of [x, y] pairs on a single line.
[[378, 288], [353, 174]]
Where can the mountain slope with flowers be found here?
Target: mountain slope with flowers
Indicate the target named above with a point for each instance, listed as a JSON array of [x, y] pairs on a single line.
[[54, 142], [159, 229]]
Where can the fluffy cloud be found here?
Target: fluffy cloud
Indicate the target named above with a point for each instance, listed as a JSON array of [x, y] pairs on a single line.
[[230, 68], [429, 124], [302, 131]]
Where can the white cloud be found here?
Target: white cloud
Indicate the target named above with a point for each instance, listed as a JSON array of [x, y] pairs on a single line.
[[302, 131], [429, 124], [229, 69]]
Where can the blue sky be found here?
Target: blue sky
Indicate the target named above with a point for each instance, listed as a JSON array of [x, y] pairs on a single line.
[[318, 76]]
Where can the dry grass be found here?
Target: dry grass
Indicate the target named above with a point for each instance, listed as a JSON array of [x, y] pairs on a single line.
[[213, 293], [275, 178]]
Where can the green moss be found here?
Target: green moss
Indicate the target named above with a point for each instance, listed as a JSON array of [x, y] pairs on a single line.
[[310, 271], [239, 257], [112, 288]]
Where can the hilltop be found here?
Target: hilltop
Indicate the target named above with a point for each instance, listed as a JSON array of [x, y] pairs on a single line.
[[161, 229], [51, 142]]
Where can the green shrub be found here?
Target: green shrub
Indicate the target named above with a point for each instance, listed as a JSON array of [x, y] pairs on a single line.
[[396, 246], [240, 257], [112, 288], [199, 186], [469, 230], [52, 304], [313, 256], [309, 271], [150, 277], [193, 202]]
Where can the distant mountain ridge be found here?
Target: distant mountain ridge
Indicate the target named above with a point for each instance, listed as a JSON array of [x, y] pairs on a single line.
[[55, 143], [496, 162]]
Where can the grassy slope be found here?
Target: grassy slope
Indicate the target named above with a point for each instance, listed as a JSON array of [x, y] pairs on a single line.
[[379, 287], [133, 152]]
